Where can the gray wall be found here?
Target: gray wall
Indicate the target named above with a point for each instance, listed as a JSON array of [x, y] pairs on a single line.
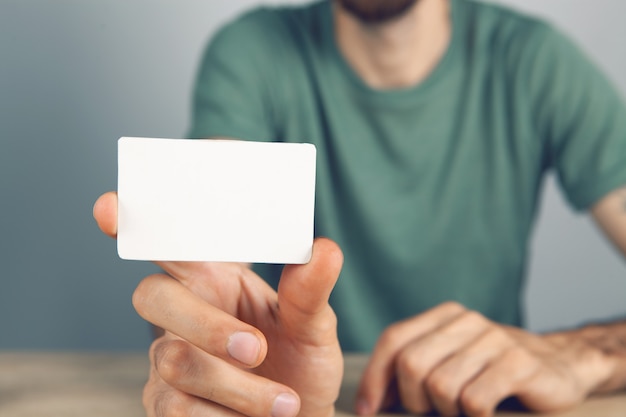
[[75, 75]]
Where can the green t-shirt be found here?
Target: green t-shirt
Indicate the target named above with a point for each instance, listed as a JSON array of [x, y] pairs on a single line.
[[430, 191]]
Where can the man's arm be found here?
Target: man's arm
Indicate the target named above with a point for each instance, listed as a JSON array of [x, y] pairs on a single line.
[[610, 340], [454, 360], [610, 215]]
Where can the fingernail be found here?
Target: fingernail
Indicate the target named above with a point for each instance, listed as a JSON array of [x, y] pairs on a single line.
[[244, 347], [285, 405], [362, 407]]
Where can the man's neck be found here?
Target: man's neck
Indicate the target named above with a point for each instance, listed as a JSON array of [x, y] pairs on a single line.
[[399, 53]]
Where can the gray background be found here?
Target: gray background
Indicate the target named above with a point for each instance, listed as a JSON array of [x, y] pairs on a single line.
[[75, 75]]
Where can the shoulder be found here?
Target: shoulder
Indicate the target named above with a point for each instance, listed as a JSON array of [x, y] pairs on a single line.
[[524, 45], [506, 31], [490, 19], [268, 30]]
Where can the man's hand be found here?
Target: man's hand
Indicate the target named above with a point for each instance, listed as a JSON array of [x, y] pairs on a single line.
[[233, 346], [455, 361]]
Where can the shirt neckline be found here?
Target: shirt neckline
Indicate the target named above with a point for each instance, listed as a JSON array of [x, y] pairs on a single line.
[[391, 96]]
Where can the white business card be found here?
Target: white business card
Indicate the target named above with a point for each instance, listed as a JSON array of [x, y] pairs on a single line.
[[215, 200]]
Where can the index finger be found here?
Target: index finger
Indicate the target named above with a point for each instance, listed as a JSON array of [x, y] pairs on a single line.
[[380, 370], [105, 213]]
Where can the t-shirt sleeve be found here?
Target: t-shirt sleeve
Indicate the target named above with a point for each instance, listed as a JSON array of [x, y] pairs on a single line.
[[231, 96], [582, 118]]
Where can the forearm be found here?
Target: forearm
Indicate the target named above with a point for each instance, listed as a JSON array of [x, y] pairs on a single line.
[[610, 215], [605, 349], [610, 339]]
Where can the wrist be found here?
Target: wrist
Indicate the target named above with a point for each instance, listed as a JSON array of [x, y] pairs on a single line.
[[610, 339], [590, 365]]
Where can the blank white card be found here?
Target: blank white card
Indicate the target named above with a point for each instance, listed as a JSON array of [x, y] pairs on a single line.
[[215, 200]]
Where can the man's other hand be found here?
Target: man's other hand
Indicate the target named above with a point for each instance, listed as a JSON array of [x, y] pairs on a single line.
[[455, 361]]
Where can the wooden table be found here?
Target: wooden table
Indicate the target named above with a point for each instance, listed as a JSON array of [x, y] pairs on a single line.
[[109, 385]]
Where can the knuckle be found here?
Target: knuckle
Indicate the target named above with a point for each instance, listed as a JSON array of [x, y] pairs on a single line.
[[496, 336], [173, 360], [517, 355], [391, 335], [473, 318], [453, 307], [328, 324], [170, 404], [142, 294], [154, 346], [161, 400], [411, 365], [472, 404], [439, 384]]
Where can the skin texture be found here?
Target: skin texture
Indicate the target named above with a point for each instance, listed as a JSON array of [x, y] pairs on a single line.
[[451, 359], [232, 346]]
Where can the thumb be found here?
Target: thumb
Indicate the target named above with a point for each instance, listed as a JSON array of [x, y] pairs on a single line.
[[303, 290]]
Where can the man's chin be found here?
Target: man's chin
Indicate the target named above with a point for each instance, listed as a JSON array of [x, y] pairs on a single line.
[[376, 11]]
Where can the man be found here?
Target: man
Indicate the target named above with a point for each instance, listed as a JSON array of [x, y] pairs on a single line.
[[435, 121]]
